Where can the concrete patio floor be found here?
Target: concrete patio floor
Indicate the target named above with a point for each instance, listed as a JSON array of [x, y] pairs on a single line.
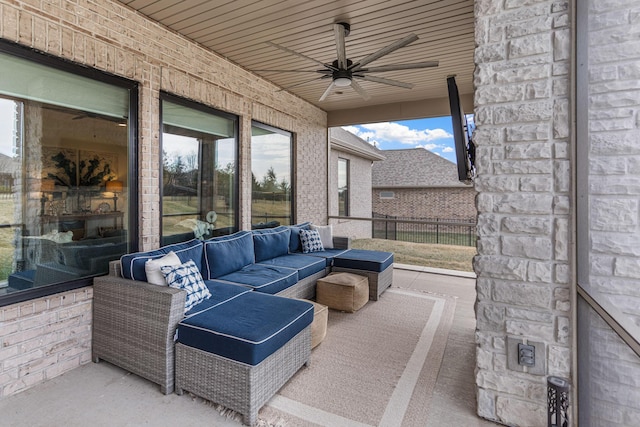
[[103, 395]]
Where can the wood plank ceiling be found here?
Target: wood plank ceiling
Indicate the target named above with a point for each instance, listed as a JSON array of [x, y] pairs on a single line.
[[240, 29]]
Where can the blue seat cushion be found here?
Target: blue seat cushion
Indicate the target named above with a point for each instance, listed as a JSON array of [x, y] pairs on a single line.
[[328, 254], [269, 279], [305, 264], [247, 328], [22, 279], [361, 259], [225, 254], [221, 292], [133, 264], [271, 242]]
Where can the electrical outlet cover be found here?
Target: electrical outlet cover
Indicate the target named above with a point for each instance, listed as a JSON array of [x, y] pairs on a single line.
[[512, 354], [540, 367], [526, 354]]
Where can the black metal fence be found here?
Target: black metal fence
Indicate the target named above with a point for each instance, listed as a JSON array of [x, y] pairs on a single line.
[[460, 232]]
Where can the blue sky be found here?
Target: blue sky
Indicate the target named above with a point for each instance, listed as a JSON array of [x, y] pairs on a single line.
[[434, 134]]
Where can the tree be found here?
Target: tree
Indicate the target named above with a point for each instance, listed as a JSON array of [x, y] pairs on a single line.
[[269, 181]]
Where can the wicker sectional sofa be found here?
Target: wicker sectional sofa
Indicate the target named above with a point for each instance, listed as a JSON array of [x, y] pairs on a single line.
[[236, 348]]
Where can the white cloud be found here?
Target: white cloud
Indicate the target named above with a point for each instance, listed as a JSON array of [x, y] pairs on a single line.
[[447, 150], [381, 133], [370, 137], [353, 129]]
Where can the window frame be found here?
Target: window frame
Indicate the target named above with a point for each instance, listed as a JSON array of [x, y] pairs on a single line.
[[187, 103], [61, 64], [292, 160]]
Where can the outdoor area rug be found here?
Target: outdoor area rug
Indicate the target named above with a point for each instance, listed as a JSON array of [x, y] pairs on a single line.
[[376, 367]]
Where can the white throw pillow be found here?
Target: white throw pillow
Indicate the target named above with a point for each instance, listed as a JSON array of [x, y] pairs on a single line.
[[326, 234], [152, 268]]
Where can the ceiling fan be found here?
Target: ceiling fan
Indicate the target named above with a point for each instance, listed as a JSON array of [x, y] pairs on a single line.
[[343, 72]]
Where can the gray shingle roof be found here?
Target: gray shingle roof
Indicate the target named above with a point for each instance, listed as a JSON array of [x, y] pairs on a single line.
[[414, 167], [344, 140]]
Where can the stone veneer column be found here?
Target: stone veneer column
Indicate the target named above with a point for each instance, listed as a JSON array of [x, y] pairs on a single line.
[[608, 151], [524, 206]]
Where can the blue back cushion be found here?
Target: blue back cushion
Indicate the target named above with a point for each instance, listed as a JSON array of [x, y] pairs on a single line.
[[294, 240], [133, 264], [223, 255], [270, 243]]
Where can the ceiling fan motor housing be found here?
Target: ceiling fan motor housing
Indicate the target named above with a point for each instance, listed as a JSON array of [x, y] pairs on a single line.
[[343, 77]]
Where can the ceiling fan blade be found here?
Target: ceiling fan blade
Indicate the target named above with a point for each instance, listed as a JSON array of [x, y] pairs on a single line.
[[301, 83], [387, 81], [385, 51], [293, 52], [339, 31], [325, 71], [327, 92], [363, 93], [417, 65]]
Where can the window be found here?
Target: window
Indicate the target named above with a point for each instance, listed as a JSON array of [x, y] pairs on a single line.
[[387, 195], [343, 187], [199, 171], [65, 147], [271, 172]]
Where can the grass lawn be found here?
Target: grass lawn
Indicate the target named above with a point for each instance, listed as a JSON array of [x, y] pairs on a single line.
[[423, 254]]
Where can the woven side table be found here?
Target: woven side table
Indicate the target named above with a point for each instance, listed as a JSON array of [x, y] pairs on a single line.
[[319, 324], [343, 291]]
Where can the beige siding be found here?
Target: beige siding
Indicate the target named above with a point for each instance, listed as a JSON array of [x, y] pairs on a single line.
[[359, 195]]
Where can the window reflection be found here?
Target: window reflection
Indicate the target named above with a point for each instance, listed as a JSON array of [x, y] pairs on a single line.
[[63, 193], [199, 174], [343, 187], [271, 166]]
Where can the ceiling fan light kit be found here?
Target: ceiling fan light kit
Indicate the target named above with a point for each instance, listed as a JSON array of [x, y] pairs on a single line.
[[342, 81], [344, 72]]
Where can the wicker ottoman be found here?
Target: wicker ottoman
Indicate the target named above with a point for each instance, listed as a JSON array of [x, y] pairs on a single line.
[[376, 265], [343, 291], [319, 324]]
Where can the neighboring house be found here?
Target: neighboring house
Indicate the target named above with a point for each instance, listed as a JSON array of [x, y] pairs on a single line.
[[8, 168], [416, 183], [350, 164]]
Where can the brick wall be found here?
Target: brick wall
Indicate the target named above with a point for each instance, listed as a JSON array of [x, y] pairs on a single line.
[[524, 204], [609, 261], [108, 36], [456, 203], [359, 195], [43, 338]]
